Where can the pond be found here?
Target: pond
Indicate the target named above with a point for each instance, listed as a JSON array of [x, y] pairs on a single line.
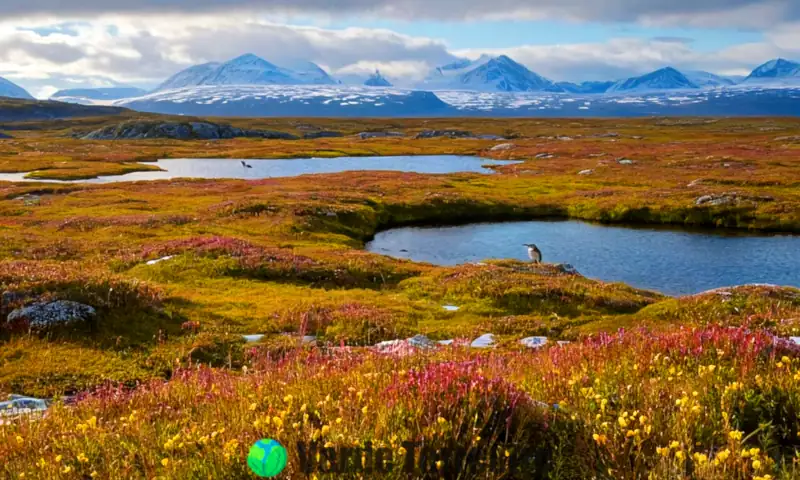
[[258, 169], [670, 261]]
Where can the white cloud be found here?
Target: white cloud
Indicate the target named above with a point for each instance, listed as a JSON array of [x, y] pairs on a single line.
[[144, 49]]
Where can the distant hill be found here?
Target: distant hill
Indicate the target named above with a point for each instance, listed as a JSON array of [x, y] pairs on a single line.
[[86, 95], [18, 110], [493, 74], [775, 72], [377, 80], [248, 69], [12, 90], [664, 79]]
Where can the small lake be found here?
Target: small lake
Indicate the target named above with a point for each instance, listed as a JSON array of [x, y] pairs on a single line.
[[670, 261], [275, 168]]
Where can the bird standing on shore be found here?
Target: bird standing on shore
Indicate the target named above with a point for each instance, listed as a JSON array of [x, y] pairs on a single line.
[[534, 253]]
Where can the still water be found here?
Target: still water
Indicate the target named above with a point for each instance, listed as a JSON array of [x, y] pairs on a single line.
[[670, 261], [258, 169]]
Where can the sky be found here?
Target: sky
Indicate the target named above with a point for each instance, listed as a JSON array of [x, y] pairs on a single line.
[[48, 45]]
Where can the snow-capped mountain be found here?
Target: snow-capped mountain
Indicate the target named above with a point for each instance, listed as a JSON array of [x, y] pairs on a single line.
[[290, 100], [493, 74], [96, 96], [775, 72], [664, 79], [585, 87], [248, 69], [377, 80], [12, 90], [707, 80], [191, 76]]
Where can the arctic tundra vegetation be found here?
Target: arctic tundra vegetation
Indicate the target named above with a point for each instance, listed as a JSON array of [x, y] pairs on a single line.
[[170, 324]]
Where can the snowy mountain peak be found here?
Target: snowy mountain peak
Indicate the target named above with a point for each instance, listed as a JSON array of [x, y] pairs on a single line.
[[777, 68], [377, 80], [707, 80], [10, 89], [248, 69], [488, 73], [666, 78]]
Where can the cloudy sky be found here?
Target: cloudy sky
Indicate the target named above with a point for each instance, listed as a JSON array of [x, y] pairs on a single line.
[[46, 45]]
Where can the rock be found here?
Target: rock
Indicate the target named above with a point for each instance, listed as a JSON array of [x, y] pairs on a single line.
[[607, 135], [450, 342], [444, 133], [534, 342], [793, 138], [586, 172], [565, 139], [490, 137], [484, 341], [421, 341], [367, 135], [730, 198], [322, 134], [158, 260], [29, 200], [180, 131], [695, 183], [543, 156], [43, 316], [502, 146], [566, 268], [796, 340], [625, 161], [561, 343], [451, 308], [9, 297], [309, 340], [637, 137], [595, 155]]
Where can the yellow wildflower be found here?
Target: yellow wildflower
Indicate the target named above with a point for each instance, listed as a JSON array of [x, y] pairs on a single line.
[[756, 465], [165, 462]]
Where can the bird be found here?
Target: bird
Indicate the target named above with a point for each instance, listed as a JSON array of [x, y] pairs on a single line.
[[245, 165], [534, 253]]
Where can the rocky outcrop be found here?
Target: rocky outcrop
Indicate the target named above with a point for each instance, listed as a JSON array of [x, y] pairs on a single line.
[[502, 146], [43, 317], [368, 135], [180, 131], [730, 198], [322, 134], [445, 133]]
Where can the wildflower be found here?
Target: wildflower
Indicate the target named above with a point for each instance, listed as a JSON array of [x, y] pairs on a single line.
[[339, 420], [439, 464], [253, 406], [58, 458], [679, 455], [66, 469], [700, 458], [94, 474], [277, 421], [364, 410], [756, 465], [735, 435], [674, 444], [786, 360], [754, 451], [288, 399], [600, 438], [441, 421], [723, 455], [401, 451], [20, 440], [696, 409], [82, 458], [622, 422], [325, 429], [165, 462], [642, 419], [663, 451]]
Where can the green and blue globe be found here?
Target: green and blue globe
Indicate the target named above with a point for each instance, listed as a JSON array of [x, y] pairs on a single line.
[[267, 458]]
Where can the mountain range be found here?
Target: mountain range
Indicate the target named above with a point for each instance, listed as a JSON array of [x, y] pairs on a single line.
[[249, 85]]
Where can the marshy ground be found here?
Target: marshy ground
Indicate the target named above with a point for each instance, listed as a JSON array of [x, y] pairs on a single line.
[[284, 258]]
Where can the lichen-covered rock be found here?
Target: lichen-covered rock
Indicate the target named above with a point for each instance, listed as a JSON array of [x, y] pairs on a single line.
[[180, 131], [44, 316], [502, 146], [322, 134], [445, 133], [731, 198]]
